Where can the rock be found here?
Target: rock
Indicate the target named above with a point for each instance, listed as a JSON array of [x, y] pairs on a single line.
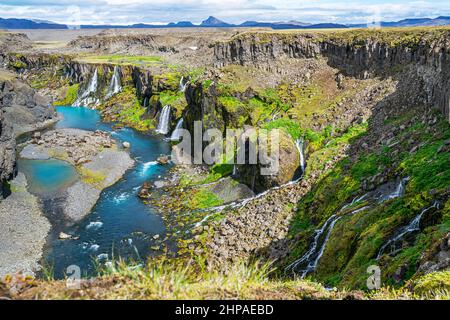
[[156, 237], [163, 160], [37, 135], [64, 236], [144, 192], [160, 184], [126, 145], [288, 167]]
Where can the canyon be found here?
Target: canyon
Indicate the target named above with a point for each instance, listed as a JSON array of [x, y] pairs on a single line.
[[364, 116]]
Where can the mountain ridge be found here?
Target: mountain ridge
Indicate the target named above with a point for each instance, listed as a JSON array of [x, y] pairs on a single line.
[[213, 22]]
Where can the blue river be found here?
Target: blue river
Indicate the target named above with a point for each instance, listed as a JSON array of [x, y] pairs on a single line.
[[120, 224]]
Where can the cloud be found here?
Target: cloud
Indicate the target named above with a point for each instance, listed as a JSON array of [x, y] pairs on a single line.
[[235, 11]]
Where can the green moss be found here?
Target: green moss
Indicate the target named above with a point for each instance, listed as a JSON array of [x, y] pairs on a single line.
[[231, 104], [175, 99], [91, 177], [204, 198], [437, 283], [126, 109], [289, 126], [142, 61], [70, 98]]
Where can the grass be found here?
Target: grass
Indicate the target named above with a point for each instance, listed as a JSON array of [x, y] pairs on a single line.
[[126, 109], [139, 61], [70, 96], [355, 241], [93, 178], [164, 279], [202, 199]]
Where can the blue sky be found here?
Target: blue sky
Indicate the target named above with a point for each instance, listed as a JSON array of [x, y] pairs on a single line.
[[235, 11]]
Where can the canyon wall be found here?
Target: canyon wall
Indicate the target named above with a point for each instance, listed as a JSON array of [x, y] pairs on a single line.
[[363, 55]]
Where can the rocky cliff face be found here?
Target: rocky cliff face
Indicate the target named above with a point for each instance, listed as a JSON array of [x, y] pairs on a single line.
[[21, 110], [7, 154], [362, 55], [23, 107]]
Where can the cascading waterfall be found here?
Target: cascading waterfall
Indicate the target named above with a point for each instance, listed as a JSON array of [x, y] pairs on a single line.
[[86, 98], [312, 257], [176, 133], [115, 86], [300, 147], [163, 123], [412, 227], [182, 85], [317, 248], [398, 191]]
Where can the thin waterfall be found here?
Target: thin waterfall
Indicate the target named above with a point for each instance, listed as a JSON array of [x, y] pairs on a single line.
[[93, 85], [163, 123], [300, 147], [182, 85], [244, 202], [412, 227], [398, 191], [115, 86], [176, 133], [315, 252], [86, 98]]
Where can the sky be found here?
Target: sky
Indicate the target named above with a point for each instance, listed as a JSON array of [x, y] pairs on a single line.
[[78, 12]]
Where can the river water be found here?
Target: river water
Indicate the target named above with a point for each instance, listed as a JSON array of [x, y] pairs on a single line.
[[120, 224]]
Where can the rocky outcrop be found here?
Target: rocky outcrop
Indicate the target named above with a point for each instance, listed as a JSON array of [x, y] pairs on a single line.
[[23, 107], [288, 167], [21, 110], [202, 106], [7, 154]]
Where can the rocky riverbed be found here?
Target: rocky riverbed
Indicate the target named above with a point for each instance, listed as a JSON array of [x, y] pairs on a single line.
[[23, 230], [97, 158]]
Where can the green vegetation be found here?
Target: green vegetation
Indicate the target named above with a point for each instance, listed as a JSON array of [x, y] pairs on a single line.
[[356, 240], [175, 99], [163, 279], [203, 198], [93, 178], [126, 109], [140, 61], [70, 97]]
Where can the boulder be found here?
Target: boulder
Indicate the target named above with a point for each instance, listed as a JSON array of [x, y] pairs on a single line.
[[289, 163], [163, 160], [126, 145]]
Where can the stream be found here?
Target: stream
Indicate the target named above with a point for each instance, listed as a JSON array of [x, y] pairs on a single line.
[[120, 224]]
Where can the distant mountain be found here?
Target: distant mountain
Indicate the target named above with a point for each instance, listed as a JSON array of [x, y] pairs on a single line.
[[181, 24], [29, 24], [216, 23], [420, 22]]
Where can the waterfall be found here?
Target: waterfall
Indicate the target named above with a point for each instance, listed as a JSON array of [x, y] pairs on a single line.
[[182, 85], [176, 133], [321, 236], [92, 88], [300, 147], [115, 85], [234, 171], [163, 123], [398, 191], [412, 227], [86, 99]]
